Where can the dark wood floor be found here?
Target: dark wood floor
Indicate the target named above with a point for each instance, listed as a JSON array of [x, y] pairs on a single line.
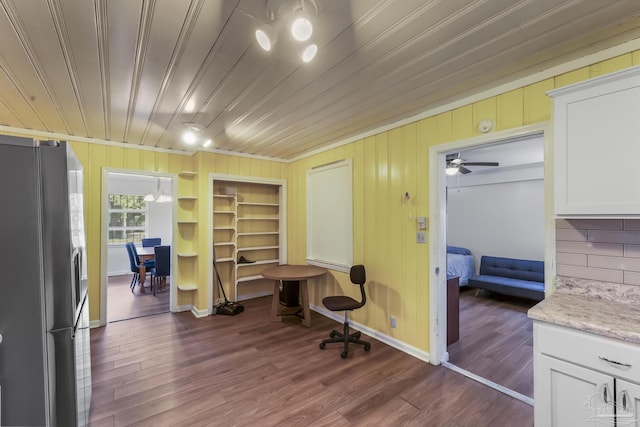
[[496, 339], [124, 304], [174, 369]]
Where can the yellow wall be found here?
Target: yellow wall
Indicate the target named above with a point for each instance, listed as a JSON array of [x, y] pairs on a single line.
[[95, 157], [387, 165]]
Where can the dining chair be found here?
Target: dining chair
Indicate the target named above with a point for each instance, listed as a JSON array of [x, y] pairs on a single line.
[[150, 242], [133, 263], [148, 264], [162, 268]]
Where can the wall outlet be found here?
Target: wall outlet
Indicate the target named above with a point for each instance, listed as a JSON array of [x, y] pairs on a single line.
[[421, 237], [393, 321]]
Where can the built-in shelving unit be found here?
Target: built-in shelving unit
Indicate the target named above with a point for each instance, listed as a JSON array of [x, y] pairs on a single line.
[[246, 226], [187, 228]]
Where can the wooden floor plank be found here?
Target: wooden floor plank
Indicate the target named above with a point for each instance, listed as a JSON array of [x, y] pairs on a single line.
[[496, 339], [174, 369]]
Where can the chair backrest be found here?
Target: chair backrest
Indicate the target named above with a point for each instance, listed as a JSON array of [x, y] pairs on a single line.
[[150, 242], [133, 259], [163, 260], [358, 276]]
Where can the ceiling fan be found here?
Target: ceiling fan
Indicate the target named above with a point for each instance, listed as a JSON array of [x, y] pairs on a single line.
[[456, 164]]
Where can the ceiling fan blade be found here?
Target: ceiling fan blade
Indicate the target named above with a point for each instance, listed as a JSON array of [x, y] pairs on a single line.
[[463, 170], [479, 164]]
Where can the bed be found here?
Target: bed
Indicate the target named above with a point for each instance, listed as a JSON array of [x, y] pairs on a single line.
[[460, 263]]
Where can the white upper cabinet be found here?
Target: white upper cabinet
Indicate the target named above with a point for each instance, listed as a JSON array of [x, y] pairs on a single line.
[[597, 146]]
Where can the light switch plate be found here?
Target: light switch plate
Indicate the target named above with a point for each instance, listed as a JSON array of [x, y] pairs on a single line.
[[421, 237], [422, 222]]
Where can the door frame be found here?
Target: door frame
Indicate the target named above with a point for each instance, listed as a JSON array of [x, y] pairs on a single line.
[[438, 225], [104, 233]]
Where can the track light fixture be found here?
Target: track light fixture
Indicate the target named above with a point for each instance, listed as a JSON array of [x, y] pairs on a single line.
[[297, 20]]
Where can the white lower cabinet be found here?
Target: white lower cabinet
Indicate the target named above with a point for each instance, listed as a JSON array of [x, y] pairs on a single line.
[[581, 379]]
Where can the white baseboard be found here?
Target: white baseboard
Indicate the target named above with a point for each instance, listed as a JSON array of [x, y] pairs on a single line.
[[199, 313], [256, 295], [95, 324], [489, 383], [404, 347], [181, 308]]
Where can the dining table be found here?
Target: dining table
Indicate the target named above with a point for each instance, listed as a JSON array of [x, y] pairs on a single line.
[[144, 254], [292, 273]]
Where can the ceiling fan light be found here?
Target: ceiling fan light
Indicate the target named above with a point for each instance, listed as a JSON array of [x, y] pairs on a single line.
[[207, 143], [309, 52], [190, 137], [149, 197], [301, 27], [451, 169]]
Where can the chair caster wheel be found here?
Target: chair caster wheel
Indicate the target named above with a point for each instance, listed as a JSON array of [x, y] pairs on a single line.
[[322, 346], [367, 347], [343, 354]]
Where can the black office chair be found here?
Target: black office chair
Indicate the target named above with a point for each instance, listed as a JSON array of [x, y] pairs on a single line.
[[162, 268], [339, 303]]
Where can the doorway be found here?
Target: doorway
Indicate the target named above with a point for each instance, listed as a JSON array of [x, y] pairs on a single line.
[[135, 206], [474, 227]]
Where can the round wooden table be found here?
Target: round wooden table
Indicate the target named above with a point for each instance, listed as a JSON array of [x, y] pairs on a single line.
[[299, 273]]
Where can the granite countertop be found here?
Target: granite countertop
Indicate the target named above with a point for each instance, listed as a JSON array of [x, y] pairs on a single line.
[[602, 308]]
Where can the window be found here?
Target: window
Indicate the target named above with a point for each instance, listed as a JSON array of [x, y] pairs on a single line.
[[127, 218], [329, 216]]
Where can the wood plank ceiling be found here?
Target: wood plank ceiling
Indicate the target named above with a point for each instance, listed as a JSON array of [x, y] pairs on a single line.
[[134, 71]]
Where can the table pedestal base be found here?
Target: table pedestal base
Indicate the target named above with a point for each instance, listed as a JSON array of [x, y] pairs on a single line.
[[277, 310]]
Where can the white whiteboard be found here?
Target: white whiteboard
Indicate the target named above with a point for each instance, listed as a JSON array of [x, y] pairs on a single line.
[[329, 215]]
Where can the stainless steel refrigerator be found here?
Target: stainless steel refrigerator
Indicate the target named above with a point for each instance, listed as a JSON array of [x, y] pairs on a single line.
[[45, 363]]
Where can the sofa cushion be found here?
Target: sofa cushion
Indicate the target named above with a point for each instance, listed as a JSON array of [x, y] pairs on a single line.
[[521, 269]]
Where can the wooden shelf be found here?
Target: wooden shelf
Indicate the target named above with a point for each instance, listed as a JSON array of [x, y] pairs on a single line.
[[225, 259], [258, 218], [188, 198], [259, 233], [250, 278], [225, 244], [224, 228], [187, 254], [190, 221], [187, 287], [257, 248], [260, 262], [224, 212], [187, 174], [257, 204], [224, 196]]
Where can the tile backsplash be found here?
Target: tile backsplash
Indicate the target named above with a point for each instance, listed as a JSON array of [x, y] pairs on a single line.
[[599, 249]]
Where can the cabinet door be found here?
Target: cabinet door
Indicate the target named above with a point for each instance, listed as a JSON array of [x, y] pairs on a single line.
[[628, 403], [570, 395], [596, 127]]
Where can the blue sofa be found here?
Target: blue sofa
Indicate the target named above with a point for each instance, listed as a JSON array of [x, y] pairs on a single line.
[[509, 276]]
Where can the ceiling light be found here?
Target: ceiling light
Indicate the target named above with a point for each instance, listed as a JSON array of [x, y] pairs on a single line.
[[266, 37], [301, 28], [193, 134], [309, 52], [159, 195], [294, 16]]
